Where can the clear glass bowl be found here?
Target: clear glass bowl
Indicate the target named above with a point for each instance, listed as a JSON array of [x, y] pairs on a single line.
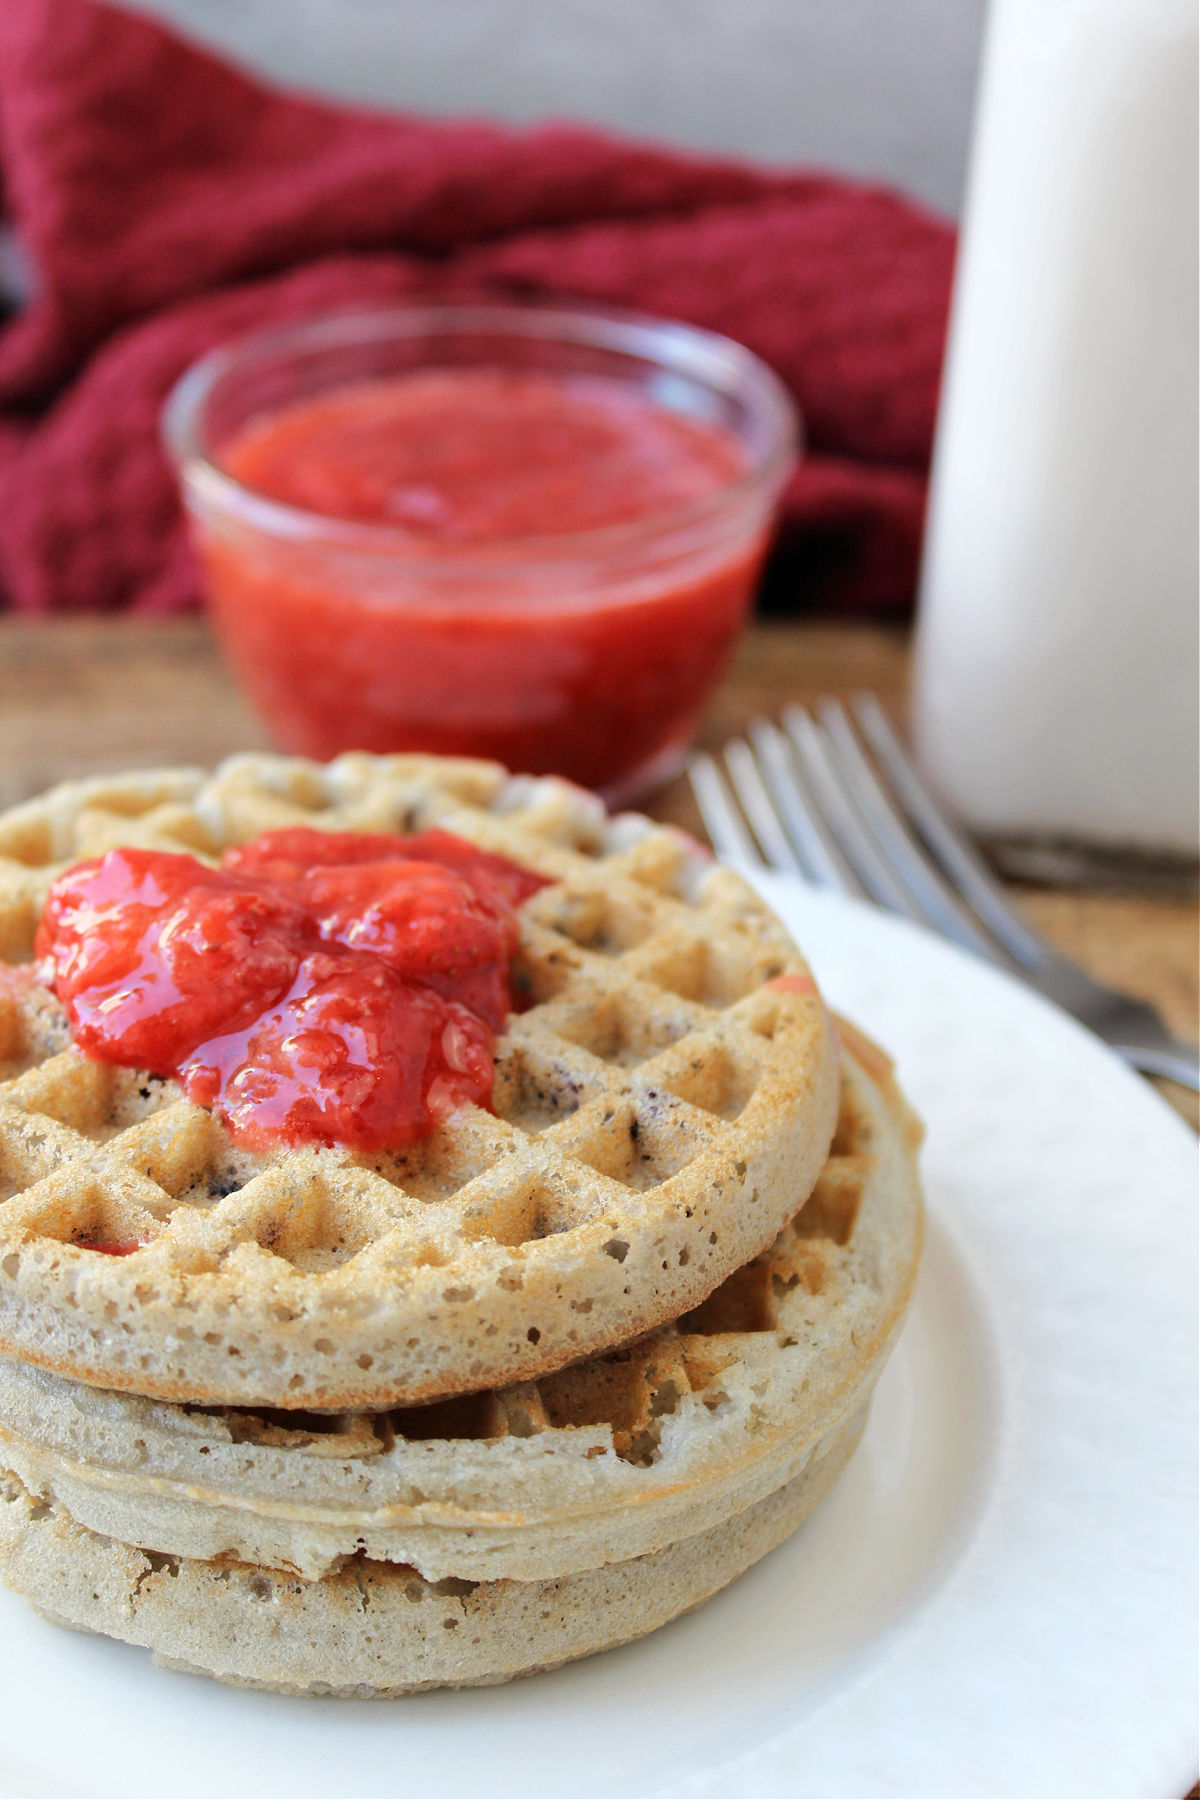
[[589, 654]]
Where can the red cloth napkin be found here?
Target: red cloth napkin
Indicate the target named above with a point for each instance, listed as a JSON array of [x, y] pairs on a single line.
[[164, 202]]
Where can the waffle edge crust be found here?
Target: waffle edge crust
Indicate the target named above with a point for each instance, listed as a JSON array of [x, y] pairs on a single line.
[[376, 1631], [665, 1471], [660, 1110], [613, 1458]]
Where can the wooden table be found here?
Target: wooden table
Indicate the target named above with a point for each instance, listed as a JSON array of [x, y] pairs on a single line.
[[87, 696]]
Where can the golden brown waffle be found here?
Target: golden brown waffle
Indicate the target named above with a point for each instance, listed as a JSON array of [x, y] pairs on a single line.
[[613, 1458], [374, 1630], [660, 1111]]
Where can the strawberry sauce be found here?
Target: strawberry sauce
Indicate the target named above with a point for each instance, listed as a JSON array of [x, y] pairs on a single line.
[[489, 620], [316, 988]]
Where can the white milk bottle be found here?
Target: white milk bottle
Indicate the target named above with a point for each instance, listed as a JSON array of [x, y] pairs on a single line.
[[1056, 690]]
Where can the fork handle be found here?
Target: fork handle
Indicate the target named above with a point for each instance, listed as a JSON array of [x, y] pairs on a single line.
[[1178, 1062]]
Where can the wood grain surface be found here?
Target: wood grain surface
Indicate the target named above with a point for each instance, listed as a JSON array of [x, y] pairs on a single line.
[[87, 696]]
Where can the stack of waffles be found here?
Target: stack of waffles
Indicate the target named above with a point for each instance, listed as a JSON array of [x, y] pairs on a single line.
[[361, 1424]]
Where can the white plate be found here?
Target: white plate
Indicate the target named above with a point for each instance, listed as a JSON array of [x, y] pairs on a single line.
[[998, 1599]]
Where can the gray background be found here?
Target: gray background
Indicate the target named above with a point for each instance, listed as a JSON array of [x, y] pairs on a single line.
[[877, 88]]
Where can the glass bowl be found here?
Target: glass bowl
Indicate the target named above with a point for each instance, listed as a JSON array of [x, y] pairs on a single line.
[[589, 654]]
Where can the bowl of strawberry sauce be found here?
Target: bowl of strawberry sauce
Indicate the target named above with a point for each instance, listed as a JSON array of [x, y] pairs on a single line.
[[526, 533]]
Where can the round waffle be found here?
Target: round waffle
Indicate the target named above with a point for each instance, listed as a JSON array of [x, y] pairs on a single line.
[[374, 1631], [660, 1109], [614, 1458]]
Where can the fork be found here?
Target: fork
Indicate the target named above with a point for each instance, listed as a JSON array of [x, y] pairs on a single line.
[[834, 799]]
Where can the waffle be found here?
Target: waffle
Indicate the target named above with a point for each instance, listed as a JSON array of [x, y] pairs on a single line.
[[660, 1110], [612, 1459], [375, 1631]]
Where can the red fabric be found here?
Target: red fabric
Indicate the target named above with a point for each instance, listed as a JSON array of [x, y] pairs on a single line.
[[164, 202]]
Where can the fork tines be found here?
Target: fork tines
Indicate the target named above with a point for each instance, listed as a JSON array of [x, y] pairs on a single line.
[[833, 798]]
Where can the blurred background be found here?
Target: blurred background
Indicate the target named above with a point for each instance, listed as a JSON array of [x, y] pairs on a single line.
[[872, 88]]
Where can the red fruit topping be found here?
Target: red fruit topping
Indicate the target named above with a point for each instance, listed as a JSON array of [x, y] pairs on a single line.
[[331, 988]]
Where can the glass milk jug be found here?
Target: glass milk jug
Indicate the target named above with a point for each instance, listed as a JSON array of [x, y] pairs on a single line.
[[1056, 688]]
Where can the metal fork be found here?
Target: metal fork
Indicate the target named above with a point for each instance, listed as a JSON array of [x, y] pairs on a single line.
[[845, 809]]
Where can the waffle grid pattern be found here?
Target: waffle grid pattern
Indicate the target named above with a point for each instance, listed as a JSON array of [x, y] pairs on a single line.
[[613, 1456], [658, 1112], [622, 1398]]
